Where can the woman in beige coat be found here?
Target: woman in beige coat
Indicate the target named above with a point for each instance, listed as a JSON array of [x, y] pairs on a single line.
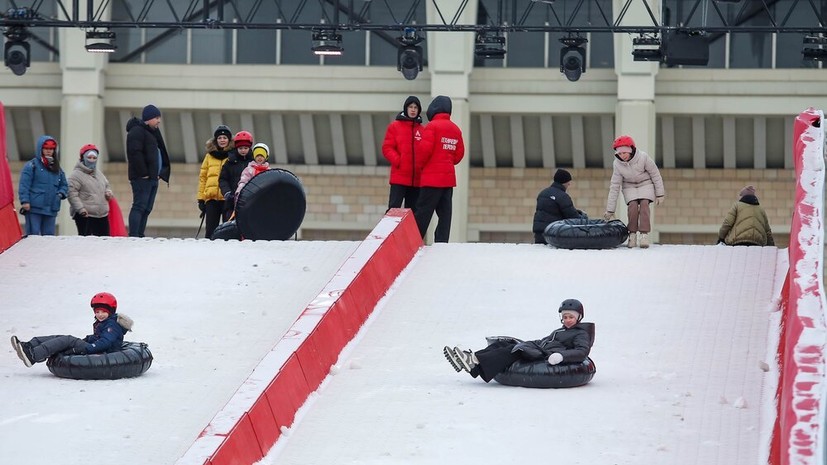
[[636, 174], [89, 195]]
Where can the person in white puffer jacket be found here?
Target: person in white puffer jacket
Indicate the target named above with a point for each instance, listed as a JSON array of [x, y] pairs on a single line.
[[637, 175]]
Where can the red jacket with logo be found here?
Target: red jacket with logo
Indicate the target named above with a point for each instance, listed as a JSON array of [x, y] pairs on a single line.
[[401, 149], [442, 149]]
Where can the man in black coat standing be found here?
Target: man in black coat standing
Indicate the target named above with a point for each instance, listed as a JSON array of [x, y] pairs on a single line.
[[148, 161], [554, 204]]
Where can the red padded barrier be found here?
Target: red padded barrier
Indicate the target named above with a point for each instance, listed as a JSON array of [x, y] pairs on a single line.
[[798, 435], [264, 424], [301, 360], [240, 447], [9, 225]]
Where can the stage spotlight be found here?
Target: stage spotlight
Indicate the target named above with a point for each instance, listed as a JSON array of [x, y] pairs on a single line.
[[685, 48], [489, 45], [647, 48], [100, 42], [17, 51], [817, 53], [409, 59], [573, 57], [327, 42]]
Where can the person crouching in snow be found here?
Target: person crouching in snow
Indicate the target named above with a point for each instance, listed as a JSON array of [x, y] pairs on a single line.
[[258, 165], [568, 344], [107, 335]]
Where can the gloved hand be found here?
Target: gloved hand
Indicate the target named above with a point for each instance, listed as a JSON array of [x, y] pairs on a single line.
[[83, 213], [660, 200], [555, 358], [62, 195], [229, 197], [202, 206], [609, 216]]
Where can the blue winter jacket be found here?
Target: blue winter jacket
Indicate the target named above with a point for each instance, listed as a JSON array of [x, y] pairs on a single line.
[[40, 188], [107, 337]]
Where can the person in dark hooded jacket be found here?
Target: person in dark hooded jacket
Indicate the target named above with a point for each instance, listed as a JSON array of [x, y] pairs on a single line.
[[232, 169], [570, 343], [400, 147], [107, 335], [554, 204], [746, 223], [442, 148], [41, 187], [148, 161]]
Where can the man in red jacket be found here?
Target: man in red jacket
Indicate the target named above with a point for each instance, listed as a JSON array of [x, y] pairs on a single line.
[[401, 149], [442, 148]]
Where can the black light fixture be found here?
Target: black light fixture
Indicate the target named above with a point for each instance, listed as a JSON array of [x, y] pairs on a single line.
[[100, 41], [327, 42], [817, 53], [409, 59], [17, 51], [647, 48], [489, 45], [685, 47], [573, 57]]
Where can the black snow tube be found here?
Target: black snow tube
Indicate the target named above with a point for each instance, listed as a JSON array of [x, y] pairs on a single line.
[[271, 206], [578, 233], [227, 230], [134, 359], [539, 374]]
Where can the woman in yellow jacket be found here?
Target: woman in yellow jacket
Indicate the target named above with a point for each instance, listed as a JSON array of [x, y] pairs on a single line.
[[210, 199]]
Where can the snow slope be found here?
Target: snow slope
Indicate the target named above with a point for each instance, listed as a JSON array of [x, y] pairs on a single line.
[[681, 332]]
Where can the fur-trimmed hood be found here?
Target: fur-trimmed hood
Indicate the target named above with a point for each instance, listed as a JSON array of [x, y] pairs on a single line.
[[125, 322]]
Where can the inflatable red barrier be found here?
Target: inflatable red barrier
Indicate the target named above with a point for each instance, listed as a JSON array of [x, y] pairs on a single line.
[[248, 426], [117, 228], [798, 435], [9, 225]]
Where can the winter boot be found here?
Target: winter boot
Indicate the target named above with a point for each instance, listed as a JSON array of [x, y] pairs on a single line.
[[24, 351], [644, 240], [466, 358], [452, 359], [632, 240]]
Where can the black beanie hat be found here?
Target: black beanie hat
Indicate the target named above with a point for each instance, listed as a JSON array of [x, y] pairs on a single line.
[[562, 176], [149, 112], [222, 130]]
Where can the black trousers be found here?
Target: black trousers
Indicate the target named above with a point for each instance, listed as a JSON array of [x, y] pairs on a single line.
[[399, 194], [439, 200], [88, 226], [494, 359], [44, 347], [213, 214]]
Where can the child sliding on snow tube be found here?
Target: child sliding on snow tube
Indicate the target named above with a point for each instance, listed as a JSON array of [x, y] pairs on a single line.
[[107, 335]]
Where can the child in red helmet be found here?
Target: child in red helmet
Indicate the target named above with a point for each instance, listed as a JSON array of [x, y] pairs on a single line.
[[107, 335], [231, 171], [637, 175], [570, 343]]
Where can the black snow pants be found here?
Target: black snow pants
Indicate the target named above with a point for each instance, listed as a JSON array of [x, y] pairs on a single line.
[[44, 347]]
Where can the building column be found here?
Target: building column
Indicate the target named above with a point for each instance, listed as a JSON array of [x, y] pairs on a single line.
[[635, 111], [82, 109], [450, 62]]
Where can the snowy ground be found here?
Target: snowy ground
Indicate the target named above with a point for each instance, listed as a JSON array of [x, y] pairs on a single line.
[[681, 333]]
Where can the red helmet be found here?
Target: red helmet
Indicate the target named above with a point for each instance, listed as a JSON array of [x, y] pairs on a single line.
[[87, 148], [242, 137], [104, 300], [622, 141]]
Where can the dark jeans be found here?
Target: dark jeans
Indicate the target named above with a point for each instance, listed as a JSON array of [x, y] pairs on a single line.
[[88, 226], [439, 200], [400, 193], [40, 225], [44, 347], [213, 212], [143, 198], [494, 359]]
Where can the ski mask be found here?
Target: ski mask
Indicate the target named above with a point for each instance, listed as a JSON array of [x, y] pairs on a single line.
[[90, 159]]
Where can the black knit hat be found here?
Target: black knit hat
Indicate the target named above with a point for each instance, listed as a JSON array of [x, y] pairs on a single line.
[[222, 130], [562, 176], [149, 112]]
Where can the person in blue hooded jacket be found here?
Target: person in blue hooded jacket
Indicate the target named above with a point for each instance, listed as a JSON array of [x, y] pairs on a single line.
[[107, 335], [41, 188]]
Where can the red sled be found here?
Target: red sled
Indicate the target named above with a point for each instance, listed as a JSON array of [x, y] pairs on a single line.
[[116, 226]]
